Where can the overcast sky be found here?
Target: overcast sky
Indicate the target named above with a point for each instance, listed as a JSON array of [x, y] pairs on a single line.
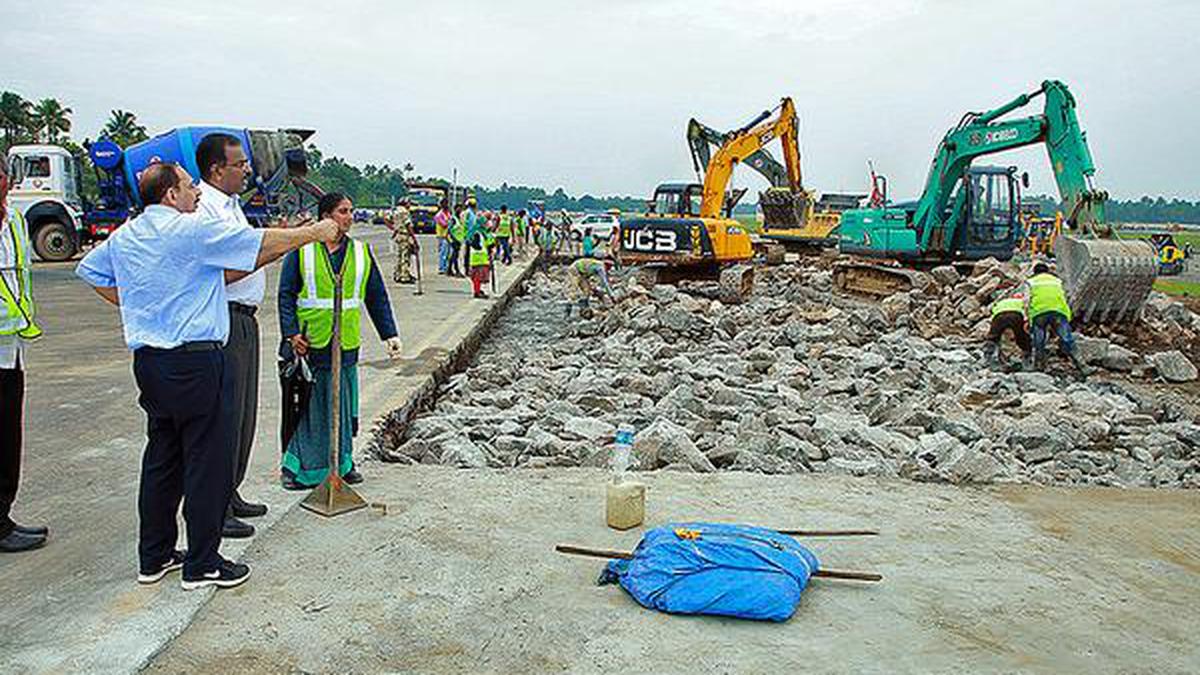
[[594, 96]]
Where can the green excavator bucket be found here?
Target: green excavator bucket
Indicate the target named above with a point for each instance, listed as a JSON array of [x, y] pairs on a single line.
[[1107, 280]]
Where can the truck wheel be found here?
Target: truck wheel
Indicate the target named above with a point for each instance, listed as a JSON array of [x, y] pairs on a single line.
[[55, 242]]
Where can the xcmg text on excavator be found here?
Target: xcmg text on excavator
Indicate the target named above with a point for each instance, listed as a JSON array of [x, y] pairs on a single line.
[[969, 213]]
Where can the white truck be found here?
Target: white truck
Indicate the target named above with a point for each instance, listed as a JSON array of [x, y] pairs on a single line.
[[44, 187]]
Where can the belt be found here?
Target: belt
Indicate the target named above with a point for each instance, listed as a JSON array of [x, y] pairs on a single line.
[[198, 346], [238, 307]]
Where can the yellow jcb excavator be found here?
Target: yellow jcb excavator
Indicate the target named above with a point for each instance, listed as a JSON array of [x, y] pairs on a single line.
[[688, 231]]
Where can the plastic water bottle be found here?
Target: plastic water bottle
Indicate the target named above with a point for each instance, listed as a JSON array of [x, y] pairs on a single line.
[[622, 452], [625, 499]]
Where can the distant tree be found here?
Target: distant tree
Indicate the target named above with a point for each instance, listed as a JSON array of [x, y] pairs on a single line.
[[123, 128], [15, 116], [51, 120]]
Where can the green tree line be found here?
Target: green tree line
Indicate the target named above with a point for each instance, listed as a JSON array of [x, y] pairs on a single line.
[[47, 120]]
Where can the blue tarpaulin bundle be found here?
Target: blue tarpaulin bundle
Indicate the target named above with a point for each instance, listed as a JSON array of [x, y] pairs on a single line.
[[712, 568]]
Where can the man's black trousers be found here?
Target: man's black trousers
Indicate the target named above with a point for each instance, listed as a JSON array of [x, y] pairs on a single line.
[[188, 399], [12, 402]]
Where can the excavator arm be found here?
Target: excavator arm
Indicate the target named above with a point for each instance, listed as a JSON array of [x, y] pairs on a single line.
[[742, 144], [980, 134], [701, 137]]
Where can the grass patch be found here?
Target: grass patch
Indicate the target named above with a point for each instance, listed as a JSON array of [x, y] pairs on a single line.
[[1187, 289], [1181, 238]]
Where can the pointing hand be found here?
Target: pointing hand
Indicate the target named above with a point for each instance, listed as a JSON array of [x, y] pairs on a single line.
[[328, 231]]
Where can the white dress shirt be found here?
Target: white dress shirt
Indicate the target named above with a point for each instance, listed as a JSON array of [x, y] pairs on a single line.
[[228, 209], [10, 345]]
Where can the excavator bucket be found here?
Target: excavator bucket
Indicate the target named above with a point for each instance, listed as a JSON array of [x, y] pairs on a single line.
[[1107, 280]]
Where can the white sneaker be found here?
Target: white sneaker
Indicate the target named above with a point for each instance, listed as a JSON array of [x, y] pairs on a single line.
[[227, 575]]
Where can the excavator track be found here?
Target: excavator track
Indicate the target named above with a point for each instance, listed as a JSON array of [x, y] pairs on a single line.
[[878, 281]]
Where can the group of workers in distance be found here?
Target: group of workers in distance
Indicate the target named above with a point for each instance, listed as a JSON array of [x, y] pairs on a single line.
[[1031, 313]]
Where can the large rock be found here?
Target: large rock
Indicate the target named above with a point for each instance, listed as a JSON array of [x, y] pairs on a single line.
[[589, 429], [460, 451], [1173, 366], [664, 443], [1119, 358], [945, 275], [1091, 350]]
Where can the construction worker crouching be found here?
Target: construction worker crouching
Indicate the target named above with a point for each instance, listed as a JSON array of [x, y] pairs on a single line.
[[1008, 315], [584, 276], [1047, 310]]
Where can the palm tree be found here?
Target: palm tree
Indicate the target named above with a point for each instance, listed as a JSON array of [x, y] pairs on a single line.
[[50, 116], [123, 128], [15, 113]]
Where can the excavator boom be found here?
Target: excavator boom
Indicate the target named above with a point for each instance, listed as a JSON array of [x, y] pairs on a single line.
[[742, 144], [965, 213]]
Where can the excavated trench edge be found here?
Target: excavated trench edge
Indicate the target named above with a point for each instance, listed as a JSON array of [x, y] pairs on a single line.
[[389, 429]]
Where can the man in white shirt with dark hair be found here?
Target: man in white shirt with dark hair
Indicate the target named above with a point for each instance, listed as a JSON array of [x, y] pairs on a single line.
[[224, 169]]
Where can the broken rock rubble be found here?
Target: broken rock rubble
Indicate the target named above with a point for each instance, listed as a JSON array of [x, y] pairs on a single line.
[[799, 379]]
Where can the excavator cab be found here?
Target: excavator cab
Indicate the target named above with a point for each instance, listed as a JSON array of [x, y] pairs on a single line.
[[992, 214], [683, 199]]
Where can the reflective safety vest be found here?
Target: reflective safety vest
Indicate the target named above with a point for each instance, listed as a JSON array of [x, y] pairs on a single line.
[[589, 266], [480, 256], [315, 303], [1009, 305], [504, 227], [18, 309], [1046, 294]]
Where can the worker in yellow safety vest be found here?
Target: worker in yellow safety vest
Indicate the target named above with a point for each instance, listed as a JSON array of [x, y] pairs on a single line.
[[1008, 315], [17, 325], [479, 244], [1047, 310]]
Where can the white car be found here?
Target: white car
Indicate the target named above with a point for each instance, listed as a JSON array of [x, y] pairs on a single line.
[[600, 225]]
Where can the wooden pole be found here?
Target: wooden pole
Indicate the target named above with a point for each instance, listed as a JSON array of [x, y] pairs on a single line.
[[626, 555], [830, 533], [333, 496]]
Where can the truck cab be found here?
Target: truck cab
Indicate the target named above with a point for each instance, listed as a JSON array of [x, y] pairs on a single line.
[[44, 189]]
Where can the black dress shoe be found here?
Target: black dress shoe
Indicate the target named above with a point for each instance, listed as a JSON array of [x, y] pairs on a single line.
[[34, 531], [353, 477], [236, 529], [244, 509], [16, 542]]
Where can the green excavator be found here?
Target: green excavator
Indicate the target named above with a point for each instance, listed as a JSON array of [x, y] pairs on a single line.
[[967, 213]]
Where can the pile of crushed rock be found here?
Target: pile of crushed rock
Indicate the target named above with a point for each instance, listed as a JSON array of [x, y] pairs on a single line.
[[802, 379]]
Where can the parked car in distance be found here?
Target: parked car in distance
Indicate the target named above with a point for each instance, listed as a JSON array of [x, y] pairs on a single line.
[[600, 225]]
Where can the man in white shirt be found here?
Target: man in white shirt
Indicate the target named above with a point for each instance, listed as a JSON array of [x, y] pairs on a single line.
[[16, 325], [167, 270], [224, 169]]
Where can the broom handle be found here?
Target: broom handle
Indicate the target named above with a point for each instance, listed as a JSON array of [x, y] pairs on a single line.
[[626, 555]]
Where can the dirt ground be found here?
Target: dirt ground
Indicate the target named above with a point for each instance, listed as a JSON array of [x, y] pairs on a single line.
[[460, 575]]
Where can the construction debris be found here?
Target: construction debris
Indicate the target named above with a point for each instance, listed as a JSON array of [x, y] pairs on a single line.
[[800, 378]]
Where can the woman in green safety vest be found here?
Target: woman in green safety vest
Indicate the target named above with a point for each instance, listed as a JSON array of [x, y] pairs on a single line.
[[306, 295], [1047, 310], [479, 245]]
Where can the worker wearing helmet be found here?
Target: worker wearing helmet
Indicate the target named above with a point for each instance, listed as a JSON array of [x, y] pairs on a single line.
[[1047, 310], [1008, 315]]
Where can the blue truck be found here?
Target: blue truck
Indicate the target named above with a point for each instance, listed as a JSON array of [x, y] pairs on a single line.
[[46, 182]]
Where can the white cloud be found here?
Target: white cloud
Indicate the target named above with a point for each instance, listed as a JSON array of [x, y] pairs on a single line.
[[594, 95]]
